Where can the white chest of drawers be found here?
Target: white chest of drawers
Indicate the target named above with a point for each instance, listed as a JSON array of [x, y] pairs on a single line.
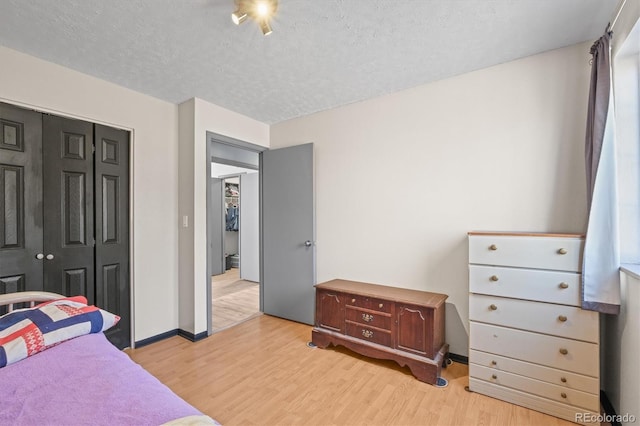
[[530, 343]]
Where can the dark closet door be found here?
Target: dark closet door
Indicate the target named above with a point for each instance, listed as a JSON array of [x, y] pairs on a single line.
[[112, 229], [20, 199], [68, 206]]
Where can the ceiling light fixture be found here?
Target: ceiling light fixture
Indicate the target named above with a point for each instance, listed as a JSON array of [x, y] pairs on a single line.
[[239, 16], [260, 11]]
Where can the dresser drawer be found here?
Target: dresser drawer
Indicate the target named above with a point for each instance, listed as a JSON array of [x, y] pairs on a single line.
[[555, 253], [369, 318], [547, 318], [565, 379], [573, 397], [580, 357], [371, 303], [543, 286], [370, 334]]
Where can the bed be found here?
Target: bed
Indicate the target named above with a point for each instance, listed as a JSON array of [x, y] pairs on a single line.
[[80, 380]]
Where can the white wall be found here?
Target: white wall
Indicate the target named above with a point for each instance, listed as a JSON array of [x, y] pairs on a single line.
[[401, 179], [626, 65], [41, 85], [622, 339], [620, 372], [193, 262], [250, 227], [186, 113]]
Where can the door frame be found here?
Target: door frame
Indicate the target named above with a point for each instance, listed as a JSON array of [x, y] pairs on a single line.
[[44, 110], [216, 138]]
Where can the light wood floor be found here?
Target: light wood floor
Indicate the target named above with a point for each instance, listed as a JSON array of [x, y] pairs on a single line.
[[261, 372], [233, 300]]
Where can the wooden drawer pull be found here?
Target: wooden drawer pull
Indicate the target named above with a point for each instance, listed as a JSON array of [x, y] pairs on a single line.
[[493, 307], [562, 318], [563, 351], [494, 377], [563, 285], [563, 379], [493, 247], [562, 251], [494, 363], [564, 395], [494, 278]]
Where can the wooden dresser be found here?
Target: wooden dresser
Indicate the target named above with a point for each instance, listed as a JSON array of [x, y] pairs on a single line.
[[406, 326], [530, 343]]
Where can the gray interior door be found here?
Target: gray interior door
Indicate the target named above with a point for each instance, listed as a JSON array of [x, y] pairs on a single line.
[[20, 200], [288, 233], [217, 229], [68, 204], [112, 229]]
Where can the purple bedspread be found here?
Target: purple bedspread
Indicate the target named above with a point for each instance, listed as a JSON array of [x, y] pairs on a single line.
[[85, 381]]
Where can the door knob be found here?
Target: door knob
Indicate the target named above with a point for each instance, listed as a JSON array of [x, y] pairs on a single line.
[[308, 243], [49, 257], [39, 256]]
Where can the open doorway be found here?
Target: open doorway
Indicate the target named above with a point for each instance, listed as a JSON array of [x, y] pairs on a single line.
[[233, 232], [285, 227], [235, 290]]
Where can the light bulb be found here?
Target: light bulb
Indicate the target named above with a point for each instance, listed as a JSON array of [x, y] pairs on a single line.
[[262, 9]]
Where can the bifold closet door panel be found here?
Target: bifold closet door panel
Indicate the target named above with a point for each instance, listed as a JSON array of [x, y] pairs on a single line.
[[68, 206], [20, 199], [112, 228]]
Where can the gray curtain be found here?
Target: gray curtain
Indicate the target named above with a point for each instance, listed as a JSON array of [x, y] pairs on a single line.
[[598, 107], [601, 258]]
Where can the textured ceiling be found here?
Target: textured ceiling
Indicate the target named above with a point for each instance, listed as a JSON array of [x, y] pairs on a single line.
[[322, 53]]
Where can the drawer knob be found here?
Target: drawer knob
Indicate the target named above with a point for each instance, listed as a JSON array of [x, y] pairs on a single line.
[[564, 395], [494, 278], [563, 285], [562, 318], [493, 307], [562, 251], [493, 247], [353, 300], [367, 317], [493, 376], [380, 305], [494, 363], [563, 379], [367, 333], [563, 351]]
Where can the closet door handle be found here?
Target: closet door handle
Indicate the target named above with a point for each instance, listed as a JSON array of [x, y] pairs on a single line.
[[50, 257], [39, 256]]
